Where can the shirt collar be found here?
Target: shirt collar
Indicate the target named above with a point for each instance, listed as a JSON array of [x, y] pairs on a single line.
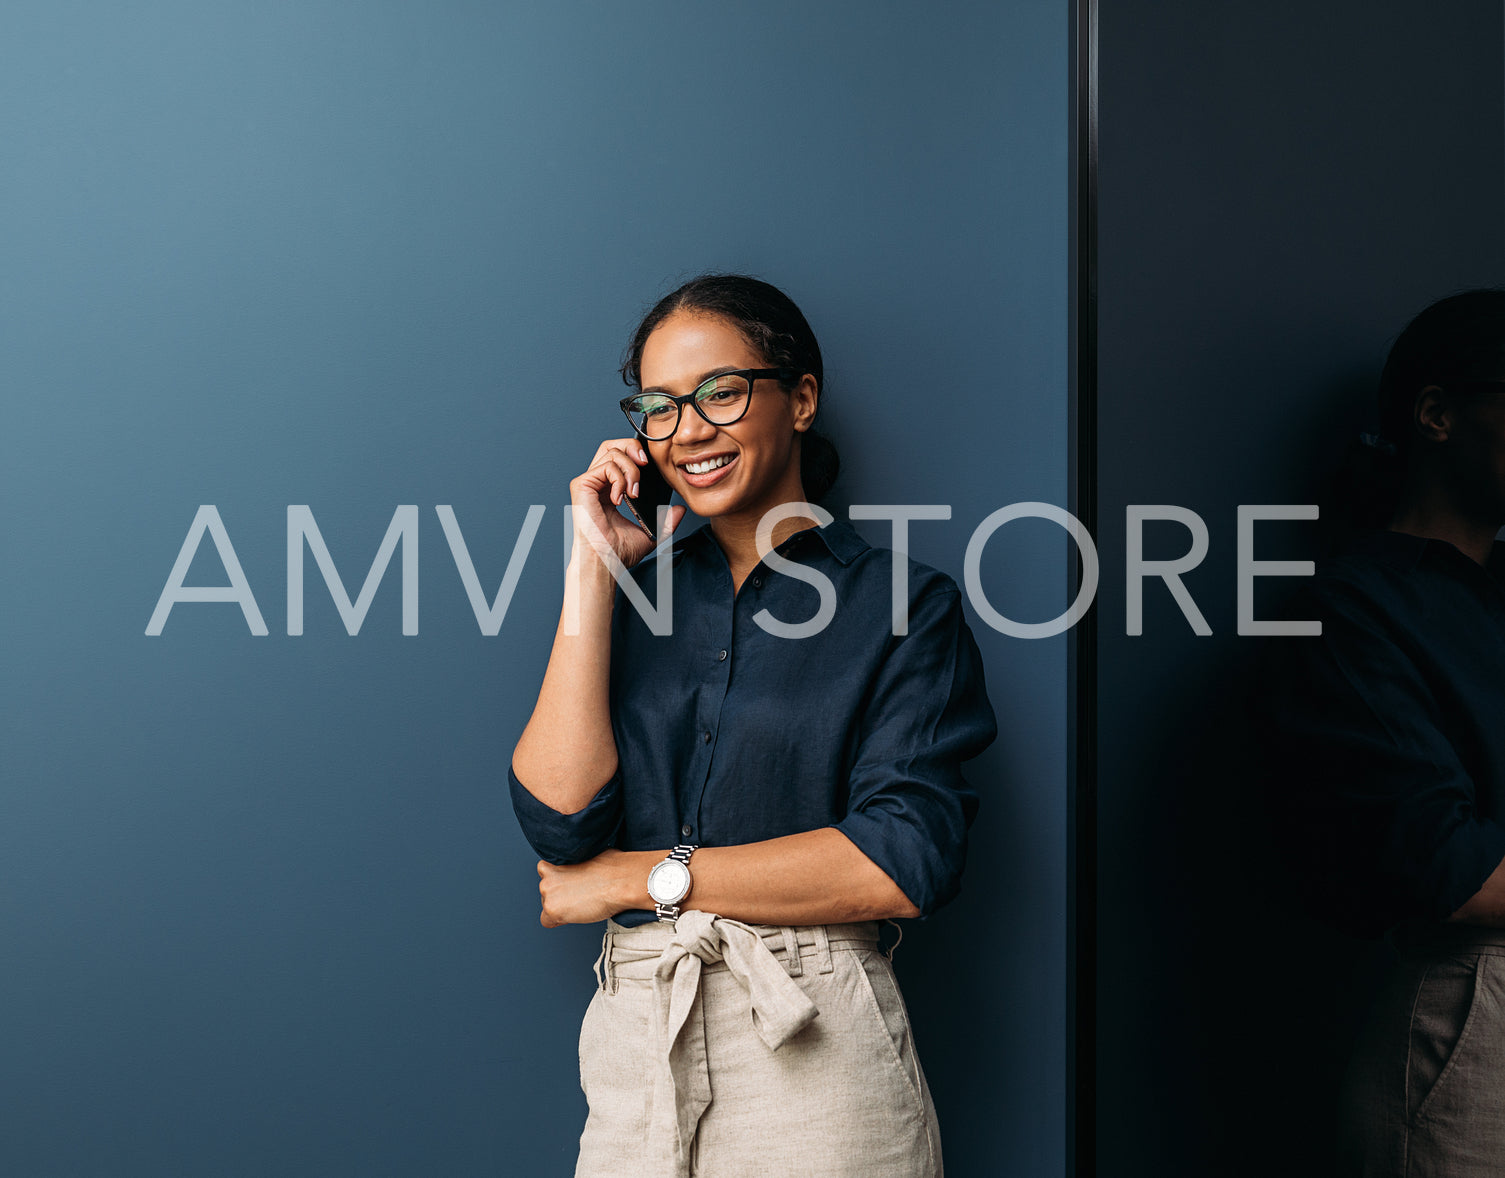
[[840, 538], [1396, 549], [1405, 552]]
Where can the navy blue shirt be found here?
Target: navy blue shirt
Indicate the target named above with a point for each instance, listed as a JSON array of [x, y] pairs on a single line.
[[1388, 732], [727, 734]]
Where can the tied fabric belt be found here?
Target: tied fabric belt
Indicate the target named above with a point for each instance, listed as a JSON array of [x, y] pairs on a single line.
[[674, 958]]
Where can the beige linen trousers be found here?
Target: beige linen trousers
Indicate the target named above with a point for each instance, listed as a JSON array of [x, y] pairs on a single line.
[[716, 1049], [1425, 1092]]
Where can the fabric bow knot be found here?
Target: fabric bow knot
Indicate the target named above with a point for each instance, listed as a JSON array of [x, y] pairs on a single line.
[[780, 1009]]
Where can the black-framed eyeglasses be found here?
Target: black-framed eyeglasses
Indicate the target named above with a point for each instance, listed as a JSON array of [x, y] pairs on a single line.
[[1478, 386], [721, 400]]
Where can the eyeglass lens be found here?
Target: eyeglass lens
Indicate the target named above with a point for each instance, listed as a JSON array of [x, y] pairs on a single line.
[[722, 400]]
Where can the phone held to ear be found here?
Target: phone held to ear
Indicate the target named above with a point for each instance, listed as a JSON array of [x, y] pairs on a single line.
[[653, 492]]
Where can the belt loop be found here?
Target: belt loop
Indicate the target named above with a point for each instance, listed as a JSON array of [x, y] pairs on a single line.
[[823, 949], [605, 953], [898, 938], [606, 974], [792, 963]]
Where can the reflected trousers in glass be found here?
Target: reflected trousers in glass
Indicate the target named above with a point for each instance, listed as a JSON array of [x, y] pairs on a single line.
[[1425, 1091]]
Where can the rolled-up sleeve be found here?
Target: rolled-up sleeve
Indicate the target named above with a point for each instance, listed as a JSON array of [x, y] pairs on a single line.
[[909, 806], [568, 838], [1372, 798]]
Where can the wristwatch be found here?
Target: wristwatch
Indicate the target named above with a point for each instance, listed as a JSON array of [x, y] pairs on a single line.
[[669, 882]]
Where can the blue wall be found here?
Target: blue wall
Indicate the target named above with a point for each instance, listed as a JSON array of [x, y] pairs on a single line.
[[263, 906]]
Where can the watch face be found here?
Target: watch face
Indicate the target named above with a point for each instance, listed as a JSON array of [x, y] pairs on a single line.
[[669, 882]]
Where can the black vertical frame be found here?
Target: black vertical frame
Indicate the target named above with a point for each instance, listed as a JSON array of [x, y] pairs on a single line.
[[1081, 966]]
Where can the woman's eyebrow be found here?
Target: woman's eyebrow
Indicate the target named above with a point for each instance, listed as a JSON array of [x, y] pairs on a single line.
[[699, 380]]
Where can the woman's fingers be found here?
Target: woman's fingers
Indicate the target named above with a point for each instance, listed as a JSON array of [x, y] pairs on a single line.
[[630, 446], [626, 476], [616, 464], [609, 480], [614, 475], [626, 450], [545, 873], [553, 884], [574, 894]]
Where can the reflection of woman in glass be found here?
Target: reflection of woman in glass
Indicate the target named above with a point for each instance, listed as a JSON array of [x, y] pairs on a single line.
[[1390, 731], [785, 792]]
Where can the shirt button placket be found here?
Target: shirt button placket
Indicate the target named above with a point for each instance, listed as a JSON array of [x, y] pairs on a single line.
[[719, 676]]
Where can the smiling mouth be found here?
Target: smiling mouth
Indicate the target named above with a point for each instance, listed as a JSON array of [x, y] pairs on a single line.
[[708, 465]]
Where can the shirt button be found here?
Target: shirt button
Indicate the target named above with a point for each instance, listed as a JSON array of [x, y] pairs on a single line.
[[706, 736], [686, 830], [757, 582], [721, 656]]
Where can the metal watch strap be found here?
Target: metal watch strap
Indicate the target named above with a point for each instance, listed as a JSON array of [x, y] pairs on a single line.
[[680, 854]]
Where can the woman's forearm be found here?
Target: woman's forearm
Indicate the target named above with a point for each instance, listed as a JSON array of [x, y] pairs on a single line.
[[816, 877], [567, 752], [1487, 905]]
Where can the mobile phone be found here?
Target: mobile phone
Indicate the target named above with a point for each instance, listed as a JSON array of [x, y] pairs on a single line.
[[653, 492]]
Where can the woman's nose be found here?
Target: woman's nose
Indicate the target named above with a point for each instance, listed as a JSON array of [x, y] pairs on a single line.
[[692, 427]]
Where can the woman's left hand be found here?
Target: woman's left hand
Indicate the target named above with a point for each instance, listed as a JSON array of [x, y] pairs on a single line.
[[583, 893]]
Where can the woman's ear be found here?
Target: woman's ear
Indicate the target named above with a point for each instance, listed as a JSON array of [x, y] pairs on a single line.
[[804, 399], [1432, 415]]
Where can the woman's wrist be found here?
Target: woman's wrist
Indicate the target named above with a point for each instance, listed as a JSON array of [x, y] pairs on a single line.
[[630, 878], [590, 594], [590, 571]]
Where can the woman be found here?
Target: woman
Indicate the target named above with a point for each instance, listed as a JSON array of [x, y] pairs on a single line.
[[786, 793], [1390, 744]]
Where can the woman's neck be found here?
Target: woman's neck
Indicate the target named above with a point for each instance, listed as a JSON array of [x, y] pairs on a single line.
[[1433, 515], [738, 537]]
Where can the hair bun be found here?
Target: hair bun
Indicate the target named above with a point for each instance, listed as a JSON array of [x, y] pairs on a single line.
[[819, 465]]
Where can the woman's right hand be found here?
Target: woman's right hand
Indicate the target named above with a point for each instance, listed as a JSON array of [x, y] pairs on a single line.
[[613, 476]]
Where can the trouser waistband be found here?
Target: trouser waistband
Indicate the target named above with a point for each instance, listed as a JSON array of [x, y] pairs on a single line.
[[1443, 938], [632, 953]]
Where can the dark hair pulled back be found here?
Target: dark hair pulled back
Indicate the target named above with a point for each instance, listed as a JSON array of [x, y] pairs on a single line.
[[775, 327], [1454, 341]]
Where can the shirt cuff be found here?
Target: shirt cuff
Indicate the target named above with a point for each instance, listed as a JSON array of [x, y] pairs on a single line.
[[927, 877], [568, 838], [1466, 860]]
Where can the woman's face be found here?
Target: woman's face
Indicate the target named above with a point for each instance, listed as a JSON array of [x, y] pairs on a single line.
[[1465, 464], [1477, 442], [744, 468]]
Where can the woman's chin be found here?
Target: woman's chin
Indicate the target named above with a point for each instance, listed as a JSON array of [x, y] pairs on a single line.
[[708, 502], [709, 506]]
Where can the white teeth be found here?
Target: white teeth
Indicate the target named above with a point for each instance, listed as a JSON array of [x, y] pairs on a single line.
[[708, 465]]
